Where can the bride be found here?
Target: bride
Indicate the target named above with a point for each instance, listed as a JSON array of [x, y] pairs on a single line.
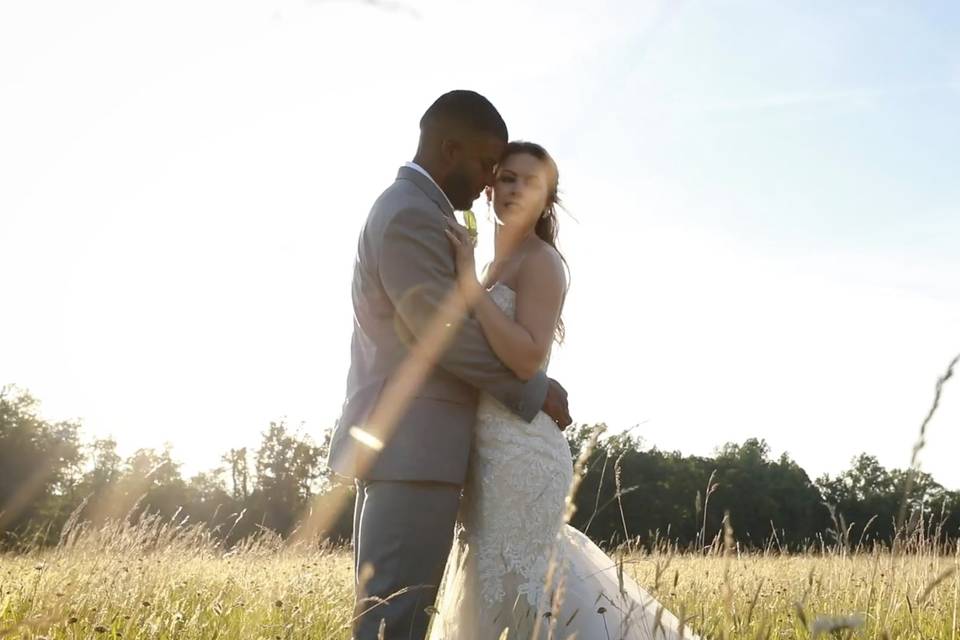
[[516, 570]]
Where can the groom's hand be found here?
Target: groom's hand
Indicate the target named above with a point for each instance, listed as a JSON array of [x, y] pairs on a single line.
[[555, 405]]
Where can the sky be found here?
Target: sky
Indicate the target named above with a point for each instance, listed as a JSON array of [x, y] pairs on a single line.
[[763, 212]]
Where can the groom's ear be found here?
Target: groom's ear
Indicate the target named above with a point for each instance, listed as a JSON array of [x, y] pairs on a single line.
[[451, 148]]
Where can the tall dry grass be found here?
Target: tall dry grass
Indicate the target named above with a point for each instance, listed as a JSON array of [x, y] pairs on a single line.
[[164, 579]]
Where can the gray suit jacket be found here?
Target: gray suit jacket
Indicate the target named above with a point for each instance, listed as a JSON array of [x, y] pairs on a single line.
[[403, 270]]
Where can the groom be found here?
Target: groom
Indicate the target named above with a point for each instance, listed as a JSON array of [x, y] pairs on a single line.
[[417, 365]]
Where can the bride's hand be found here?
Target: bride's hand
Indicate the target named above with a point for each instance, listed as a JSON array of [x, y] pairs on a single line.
[[463, 246]]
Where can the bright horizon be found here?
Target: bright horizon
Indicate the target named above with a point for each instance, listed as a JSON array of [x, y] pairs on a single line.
[[764, 209]]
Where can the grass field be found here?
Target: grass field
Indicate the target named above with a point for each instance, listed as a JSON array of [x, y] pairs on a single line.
[[157, 580]]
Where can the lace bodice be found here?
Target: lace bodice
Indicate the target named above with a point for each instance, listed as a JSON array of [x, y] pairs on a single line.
[[519, 476], [505, 298]]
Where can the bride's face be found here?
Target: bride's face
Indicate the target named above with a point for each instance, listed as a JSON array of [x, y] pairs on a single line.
[[520, 191]]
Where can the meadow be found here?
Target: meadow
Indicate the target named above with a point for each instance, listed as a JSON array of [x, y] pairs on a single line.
[[167, 579], [148, 576]]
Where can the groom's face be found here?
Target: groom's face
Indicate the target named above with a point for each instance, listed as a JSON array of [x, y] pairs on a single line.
[[472, 169]]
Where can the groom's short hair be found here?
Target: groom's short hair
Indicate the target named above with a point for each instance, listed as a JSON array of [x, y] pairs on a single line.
[[466, 109]]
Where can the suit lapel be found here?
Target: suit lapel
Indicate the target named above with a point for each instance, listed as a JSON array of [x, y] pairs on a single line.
[[428, 187]]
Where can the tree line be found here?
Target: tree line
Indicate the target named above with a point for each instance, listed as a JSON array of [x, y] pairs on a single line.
[[629, 492]]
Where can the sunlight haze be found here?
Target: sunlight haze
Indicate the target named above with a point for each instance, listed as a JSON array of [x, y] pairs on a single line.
[[763, 227]]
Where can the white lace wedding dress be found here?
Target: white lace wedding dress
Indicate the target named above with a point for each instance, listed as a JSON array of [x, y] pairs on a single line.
[[515, 570]]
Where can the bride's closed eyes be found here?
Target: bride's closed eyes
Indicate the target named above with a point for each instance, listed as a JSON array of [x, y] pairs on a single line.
[[509, 178]]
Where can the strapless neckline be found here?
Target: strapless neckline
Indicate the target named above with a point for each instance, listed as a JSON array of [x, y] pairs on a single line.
[[503, 285]]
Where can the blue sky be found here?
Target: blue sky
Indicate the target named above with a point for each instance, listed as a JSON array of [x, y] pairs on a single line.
[[817, 125], [764, 210]]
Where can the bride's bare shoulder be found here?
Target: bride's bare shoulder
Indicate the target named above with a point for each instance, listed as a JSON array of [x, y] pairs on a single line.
[[544, 262]]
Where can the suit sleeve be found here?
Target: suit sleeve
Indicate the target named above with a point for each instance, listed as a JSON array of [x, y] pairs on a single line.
[[417, 270]]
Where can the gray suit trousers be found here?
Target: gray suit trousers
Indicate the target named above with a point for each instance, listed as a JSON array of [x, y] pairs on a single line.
[[402, 533]]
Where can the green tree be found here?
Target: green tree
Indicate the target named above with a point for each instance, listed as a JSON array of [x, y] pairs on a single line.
[[287, 469], [40, 465]]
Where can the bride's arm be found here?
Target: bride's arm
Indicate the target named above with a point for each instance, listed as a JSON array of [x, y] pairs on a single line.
[[521, 344]]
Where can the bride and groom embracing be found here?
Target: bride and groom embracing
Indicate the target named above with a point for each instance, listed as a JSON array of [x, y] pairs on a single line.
[[451, 428]]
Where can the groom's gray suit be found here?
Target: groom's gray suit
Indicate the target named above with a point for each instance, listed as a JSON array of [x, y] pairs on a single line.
[[408, 492]]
